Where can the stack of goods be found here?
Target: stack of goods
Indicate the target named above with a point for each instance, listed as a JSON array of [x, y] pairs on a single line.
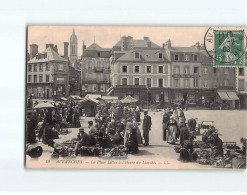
[[117, 152]]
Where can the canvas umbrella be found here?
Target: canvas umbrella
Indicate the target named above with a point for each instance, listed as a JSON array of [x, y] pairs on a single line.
[[44, 105], [129, 100]]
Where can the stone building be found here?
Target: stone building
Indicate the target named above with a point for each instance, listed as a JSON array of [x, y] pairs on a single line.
[[216, 82], [241, 84], [193, 77], [95, 69], [185, 73], [47, 74], [144, 74]]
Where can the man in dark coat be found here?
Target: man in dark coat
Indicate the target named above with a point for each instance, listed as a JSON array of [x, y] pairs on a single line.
[[166, 118], [147, 123], [184, 134], [83, 140]]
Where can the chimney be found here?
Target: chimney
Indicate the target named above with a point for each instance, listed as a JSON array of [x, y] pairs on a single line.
[[50, 45], [83, 47], [163, 45], [149, 44], [66, 49], [168, 44], [146, 39], [33, 50], [55, 48], [127, 43], [198, 46]]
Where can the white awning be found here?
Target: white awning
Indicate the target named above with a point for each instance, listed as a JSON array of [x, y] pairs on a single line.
[[228, 95], [232, 95]]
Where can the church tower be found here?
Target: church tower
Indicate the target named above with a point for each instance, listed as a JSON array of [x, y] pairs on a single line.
[[73, 48]]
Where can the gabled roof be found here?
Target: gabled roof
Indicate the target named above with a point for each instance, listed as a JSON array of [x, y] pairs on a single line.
[[143, 43], [96, 47], [184, 49], [51, 56], [145, 56]]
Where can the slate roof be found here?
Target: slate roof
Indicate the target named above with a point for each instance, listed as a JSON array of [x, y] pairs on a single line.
[[51, 56], [184, 49], [96, 47], [145, 56]]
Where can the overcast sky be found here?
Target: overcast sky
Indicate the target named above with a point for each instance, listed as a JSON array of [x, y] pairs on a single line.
[[107, 36]]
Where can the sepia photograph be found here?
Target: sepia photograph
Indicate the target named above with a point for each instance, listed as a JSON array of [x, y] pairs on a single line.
[[135, 97]]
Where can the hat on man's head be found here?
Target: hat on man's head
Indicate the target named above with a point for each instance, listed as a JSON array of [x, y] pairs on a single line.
[[90, 122], [81, 129], [145, 112]]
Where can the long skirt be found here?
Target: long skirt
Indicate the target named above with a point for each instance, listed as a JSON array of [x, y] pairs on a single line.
[[132, 142], [139, 136], [172, 134]]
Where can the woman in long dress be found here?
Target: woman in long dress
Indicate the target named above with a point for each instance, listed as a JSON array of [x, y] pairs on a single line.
[[138, 132], [172, 131]]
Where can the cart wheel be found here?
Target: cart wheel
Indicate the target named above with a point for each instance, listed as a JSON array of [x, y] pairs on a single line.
[[242, 165]]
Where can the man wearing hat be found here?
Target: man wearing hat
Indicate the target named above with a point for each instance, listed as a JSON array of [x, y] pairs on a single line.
[[147, 123], [84, 140], [92, 129], [166, 118]]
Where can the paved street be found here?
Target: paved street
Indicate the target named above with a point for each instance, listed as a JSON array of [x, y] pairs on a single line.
[[159, 150]]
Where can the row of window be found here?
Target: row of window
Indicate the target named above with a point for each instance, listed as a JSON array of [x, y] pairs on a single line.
[[195, 70], [187, 83], [97, 64], [35, 77], [186, 57], [35, 67], [187, 70], [161, 69], [148, 82], [41, 67]]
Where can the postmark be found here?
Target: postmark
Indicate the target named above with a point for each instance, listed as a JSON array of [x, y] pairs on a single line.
[[226, 46]]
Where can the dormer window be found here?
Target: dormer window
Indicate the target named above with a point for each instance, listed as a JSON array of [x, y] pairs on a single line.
[[186, 57], [98, 54], [176, 57], [195, 58], [137, 55], [160, 55]]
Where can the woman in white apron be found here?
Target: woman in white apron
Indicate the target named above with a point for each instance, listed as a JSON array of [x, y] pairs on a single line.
[[172, 131]]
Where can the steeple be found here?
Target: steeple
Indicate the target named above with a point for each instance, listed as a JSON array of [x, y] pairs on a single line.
[[73, 47]]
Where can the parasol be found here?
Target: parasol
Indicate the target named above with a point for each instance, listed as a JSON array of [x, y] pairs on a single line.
[[44, 105], [128, 100]]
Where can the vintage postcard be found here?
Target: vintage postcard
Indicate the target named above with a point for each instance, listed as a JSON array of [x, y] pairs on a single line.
[[136, 97]]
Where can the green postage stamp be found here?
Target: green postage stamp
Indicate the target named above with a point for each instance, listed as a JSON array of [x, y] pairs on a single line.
[[228, 48]]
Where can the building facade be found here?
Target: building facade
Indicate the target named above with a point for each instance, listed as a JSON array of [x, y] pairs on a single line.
[[47, 75], [185, 73], [241, 84], [143, 74], [95, 70], [193, 77]]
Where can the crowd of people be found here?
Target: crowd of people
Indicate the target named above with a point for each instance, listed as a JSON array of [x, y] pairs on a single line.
[[54, 118], [115, 125], [118, 125], [175, 127]]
